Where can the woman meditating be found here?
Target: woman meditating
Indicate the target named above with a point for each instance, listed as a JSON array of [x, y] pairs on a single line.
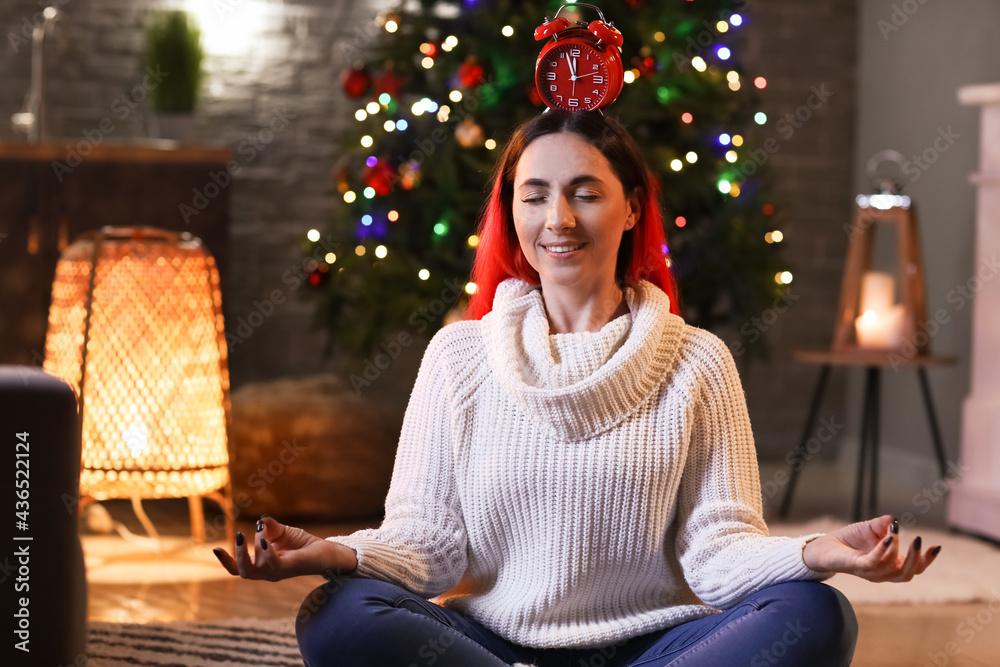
[[581, 458]]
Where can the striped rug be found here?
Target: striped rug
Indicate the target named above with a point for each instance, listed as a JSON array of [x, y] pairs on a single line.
[[223, 643]]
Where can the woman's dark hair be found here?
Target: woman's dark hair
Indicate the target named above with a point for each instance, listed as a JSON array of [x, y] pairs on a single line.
[[642, 253]]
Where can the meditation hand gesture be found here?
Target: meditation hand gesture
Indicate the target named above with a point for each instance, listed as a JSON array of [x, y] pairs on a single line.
[[284, 551], [870, 550]]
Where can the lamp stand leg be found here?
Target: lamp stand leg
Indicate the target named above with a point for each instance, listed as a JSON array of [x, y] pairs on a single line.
[[876, 381], [197, 519], [224, 498], [143, 519]]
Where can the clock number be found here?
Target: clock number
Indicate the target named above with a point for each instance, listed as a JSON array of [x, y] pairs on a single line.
[[551, 76], [598, 79], [560, 97], [573, 102], [574, 53], [553, 87], [595, 65], [587, 101], [554, 63]]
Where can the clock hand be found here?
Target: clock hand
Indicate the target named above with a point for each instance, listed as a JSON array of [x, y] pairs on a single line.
[[580, 76], [574, 77]]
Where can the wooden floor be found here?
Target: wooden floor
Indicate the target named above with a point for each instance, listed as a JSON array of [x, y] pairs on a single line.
[[891, 636]]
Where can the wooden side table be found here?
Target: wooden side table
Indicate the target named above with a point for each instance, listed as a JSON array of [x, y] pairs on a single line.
[[873, 361]]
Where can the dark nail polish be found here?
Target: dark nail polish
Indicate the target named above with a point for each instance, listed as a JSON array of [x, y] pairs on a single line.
[[218, 553], [887, 542], [916, 543], [260, 525], [263, 544], [894, 527], [239, 539], [935, 551]]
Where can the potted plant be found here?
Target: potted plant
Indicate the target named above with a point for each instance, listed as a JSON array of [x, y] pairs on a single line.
[[173, 46]]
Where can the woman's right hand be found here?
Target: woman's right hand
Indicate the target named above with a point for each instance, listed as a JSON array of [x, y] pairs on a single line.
[[282, 551]]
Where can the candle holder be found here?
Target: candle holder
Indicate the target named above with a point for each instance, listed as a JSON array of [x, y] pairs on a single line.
[[867, 317]]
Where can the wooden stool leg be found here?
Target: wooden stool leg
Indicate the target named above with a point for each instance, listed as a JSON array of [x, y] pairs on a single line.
[[876, 380], [866, 417], [786, 502], [932, 418]]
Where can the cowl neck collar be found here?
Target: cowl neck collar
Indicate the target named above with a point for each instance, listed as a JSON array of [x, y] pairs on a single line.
[[580, 384]]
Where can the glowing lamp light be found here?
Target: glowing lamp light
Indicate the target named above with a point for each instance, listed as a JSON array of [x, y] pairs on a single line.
[[135, 325]]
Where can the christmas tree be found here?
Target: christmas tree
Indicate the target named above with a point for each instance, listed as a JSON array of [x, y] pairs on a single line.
[[439, 87]]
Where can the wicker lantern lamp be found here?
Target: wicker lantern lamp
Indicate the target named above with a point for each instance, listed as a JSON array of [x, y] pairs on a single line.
[[136, 325]]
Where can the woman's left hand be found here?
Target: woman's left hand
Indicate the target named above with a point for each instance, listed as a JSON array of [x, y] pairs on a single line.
[[869, 549]]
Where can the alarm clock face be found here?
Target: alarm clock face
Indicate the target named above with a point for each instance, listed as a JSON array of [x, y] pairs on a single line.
[[573, 76]]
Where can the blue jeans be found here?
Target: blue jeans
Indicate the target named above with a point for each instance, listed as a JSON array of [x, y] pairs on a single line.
[[358, 622]]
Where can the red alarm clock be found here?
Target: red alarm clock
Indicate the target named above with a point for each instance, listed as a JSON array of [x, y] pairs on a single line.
[[581, 68]]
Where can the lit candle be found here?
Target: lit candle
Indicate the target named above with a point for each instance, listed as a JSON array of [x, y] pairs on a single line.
[[878, 292], [880, 330]]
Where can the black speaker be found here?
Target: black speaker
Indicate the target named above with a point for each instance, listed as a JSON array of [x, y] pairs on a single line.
[[42, 575]]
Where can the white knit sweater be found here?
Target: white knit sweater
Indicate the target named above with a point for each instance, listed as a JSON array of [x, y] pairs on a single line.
[[591, 486]]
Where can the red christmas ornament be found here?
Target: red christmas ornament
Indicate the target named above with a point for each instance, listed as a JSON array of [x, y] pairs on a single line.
[[470, 73], [389, 82], [379, 178], [355, 81], [646, 66]]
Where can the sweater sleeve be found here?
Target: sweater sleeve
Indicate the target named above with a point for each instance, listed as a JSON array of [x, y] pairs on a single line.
[[723, 543], [421, 542]]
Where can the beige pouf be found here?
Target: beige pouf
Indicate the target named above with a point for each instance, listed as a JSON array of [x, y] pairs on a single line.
[[310, 447]]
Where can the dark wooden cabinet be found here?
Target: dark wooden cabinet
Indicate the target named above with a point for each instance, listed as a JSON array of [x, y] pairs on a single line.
[[43, 208]]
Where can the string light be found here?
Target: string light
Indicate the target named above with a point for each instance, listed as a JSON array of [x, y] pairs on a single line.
[[783, 278], [361, 114], [401, 124], [441, 229], [389, 126], [768, 209], [367, 141], [371, 161], [455, 96], [473, 241], [393, 216], [777, 236], [722, 26], [427, 62], [725, 186], [330, 258], [723, 53], [730, 156], [391, 26], [313, 235], [423, 274], [686, 117], [366, 220], [734, 85], [359, 251], [372, 108], [760, 82], [676, 165], [680, 221], [450, 42], [691, 157], [369, 192], [443, 112], [490, 144], [734, 190], [349, 196], [699, 63], [737, 140], [471, 288], [659, 36], [629, 76], [381, 251], [760, 117], [736, 20], [733, 76], [507, 31], [724, 139]]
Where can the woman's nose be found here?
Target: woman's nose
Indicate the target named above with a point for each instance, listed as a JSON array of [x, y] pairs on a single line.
[[560, 215]]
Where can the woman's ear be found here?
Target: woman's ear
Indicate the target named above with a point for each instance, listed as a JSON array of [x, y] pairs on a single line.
[[633, 208]]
